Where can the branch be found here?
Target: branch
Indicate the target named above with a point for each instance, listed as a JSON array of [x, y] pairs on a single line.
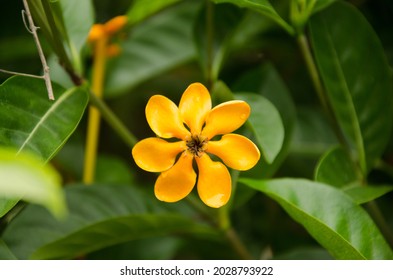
[[21, 74], [33, 30]]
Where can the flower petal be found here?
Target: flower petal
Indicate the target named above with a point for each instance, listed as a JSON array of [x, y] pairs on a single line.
[[156, 155], [177, 182], [194, 105], [226, 117], [214, 182], [164, 118], [237, 151]]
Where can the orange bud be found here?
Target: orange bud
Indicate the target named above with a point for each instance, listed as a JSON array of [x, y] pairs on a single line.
[[96, 33], [115, 24], [113, 50]]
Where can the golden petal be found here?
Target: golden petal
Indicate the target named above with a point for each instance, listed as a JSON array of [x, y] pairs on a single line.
[[237, 151], [156, 155], [176, 183], [164, 118], [226, 117], [214, 182], [115, 24], [194, 105]]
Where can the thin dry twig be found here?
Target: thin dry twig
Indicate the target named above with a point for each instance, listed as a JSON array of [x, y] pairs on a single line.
[[33, 31], [31, 28]]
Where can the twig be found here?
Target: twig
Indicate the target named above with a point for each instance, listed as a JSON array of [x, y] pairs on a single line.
[[21, 74], [33, 30]]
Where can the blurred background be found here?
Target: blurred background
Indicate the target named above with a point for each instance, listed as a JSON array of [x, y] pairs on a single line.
[[160, 55]]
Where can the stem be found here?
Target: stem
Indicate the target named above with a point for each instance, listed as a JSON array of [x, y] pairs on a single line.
[[33, 30], [116, 124], [313, 71], [93, 126], [237, 244], [231, 234]]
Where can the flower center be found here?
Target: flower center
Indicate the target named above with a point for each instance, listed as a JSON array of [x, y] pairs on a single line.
[[196, 145]]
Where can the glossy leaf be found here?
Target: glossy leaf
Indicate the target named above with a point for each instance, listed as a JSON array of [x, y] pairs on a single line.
[[329, 215], [100, 216], [155, 248], [140, 11], [267, 82], [312, 135], [161, 43], [78, 18], [302, 10], [47, 16], [6, 205], [335, 168], [261, 6], [32, 123], [266, 124], [356, 74], [365, 194], [25, 177], [112, 170], [116, 231], [322, 4]]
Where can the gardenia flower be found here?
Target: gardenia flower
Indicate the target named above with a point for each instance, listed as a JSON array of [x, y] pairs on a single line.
[[196, 124]]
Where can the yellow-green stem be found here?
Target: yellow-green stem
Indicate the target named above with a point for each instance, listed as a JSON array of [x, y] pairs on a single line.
[[93, 125], [237, 244]]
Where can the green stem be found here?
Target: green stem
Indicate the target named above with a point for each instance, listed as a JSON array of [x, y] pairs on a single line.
[[237, 244], [224, 223], [116, 124], [314, 74]]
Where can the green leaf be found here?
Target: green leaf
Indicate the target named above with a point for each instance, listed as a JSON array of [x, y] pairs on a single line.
[[78, 19], [365, 194], [266, 124], [335, 168], [155, 248], [30, 122], [261, 6], [99, 216], [115, 231], [6, 205], [140, 11], [267, 82], [358, 84], [312, 135], [112, 170], [5, 253], [25, 177], [46, 16], [161, 43], [301, 10], [329, 215], [322, 4]]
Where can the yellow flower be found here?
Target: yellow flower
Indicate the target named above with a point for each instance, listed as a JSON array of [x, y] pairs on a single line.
[[195, 123]]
